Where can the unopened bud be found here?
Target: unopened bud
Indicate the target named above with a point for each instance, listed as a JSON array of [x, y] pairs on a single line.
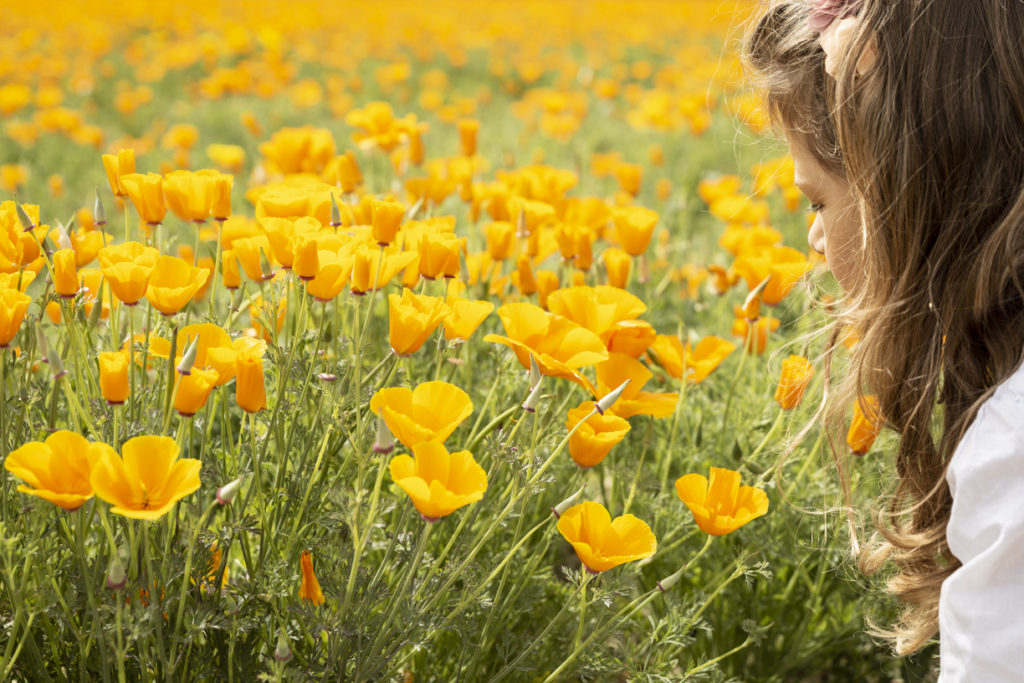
[[669, 581], [414, 209], [98, 212], [42, 345], [266, 272], [56, 365], [23, 218], [611, 397], [188, 359], [567, 503], [521, 225], [116, 576], [326, 377], [752, 304], [534, 373], [335, 212], [97, 308], [236, 302], [227, 492], [385, 442], [63, 239], [282, 652], [530, 404]]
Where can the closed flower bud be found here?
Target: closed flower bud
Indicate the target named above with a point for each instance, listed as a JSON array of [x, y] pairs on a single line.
[[188, 359], [611, 397], [193, 390], [385, 441], [530, 404], [13, 306], [669, 581], [116, 576], [99, 213], [617, 264], [226, 494], [335, 212], [26, 221], [282, 652], [567, 503]]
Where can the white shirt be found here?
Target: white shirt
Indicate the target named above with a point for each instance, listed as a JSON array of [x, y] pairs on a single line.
[[981, 606]]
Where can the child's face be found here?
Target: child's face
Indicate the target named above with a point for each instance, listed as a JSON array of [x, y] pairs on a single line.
[[836, 231]]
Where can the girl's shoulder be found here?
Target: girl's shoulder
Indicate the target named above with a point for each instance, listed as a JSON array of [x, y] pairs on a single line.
[[979, 619]]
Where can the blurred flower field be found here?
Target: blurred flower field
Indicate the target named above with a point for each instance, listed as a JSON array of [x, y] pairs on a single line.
[[412, 341]]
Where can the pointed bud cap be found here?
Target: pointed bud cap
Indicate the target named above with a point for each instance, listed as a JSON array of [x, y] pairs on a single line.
[[530, 404], [116, 576], [282, 652], [63, 239], [414, 209], [41, 344], [567, 503], [23, 218], [188, 359], [385, 442], [611, 397], [534, 373], [669, 581], [335, 212], [752, 302], [97, 308], [98, 212], [227, 492], [266, 271], [236, 302], [521, 225], [56, 365]]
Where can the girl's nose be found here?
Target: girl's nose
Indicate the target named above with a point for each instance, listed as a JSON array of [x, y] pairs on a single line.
[[816, 235]]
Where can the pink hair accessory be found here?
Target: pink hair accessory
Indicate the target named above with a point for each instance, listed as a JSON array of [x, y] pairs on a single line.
[[837, 23], [824, 12]]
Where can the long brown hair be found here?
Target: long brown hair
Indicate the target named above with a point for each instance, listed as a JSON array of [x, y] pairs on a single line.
[[931, 140]]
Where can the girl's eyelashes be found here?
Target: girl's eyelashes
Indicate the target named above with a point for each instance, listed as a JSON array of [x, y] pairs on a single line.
[[815, 208]]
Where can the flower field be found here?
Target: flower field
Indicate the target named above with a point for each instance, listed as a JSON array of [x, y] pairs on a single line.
[[413, 342]]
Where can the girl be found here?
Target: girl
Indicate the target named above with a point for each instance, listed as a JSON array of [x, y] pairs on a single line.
[[906, 123]]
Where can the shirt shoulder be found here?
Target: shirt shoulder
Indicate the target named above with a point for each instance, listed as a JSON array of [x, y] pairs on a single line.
[[981, 633]]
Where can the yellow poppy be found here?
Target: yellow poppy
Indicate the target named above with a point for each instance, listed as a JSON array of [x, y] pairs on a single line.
[[602, 543], [412, 318], [634, 400], [117, 165], [250, 391], [865, 426], [430, 412], [465, 317], [593, 439], [65, 273], [559, 345], [192, 391], [189, 194], [797, 372], [634, 226], [719, 504], [386, 218], [147, 479], [438, 482], [127, 268], [173, 283], [58, 469], [13, 306], [147, 195]]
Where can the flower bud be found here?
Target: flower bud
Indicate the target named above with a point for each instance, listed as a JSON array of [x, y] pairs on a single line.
[[534, 373], [669, 581], [335, 212], [63, 240], [282, 652], [611, 397], [98, 212], [385, 442], [266, 272], [116, 576], [752, 304], [567, 503], [44, 348], [530, 404], [227, 492], [188, 359], [23, 218]]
